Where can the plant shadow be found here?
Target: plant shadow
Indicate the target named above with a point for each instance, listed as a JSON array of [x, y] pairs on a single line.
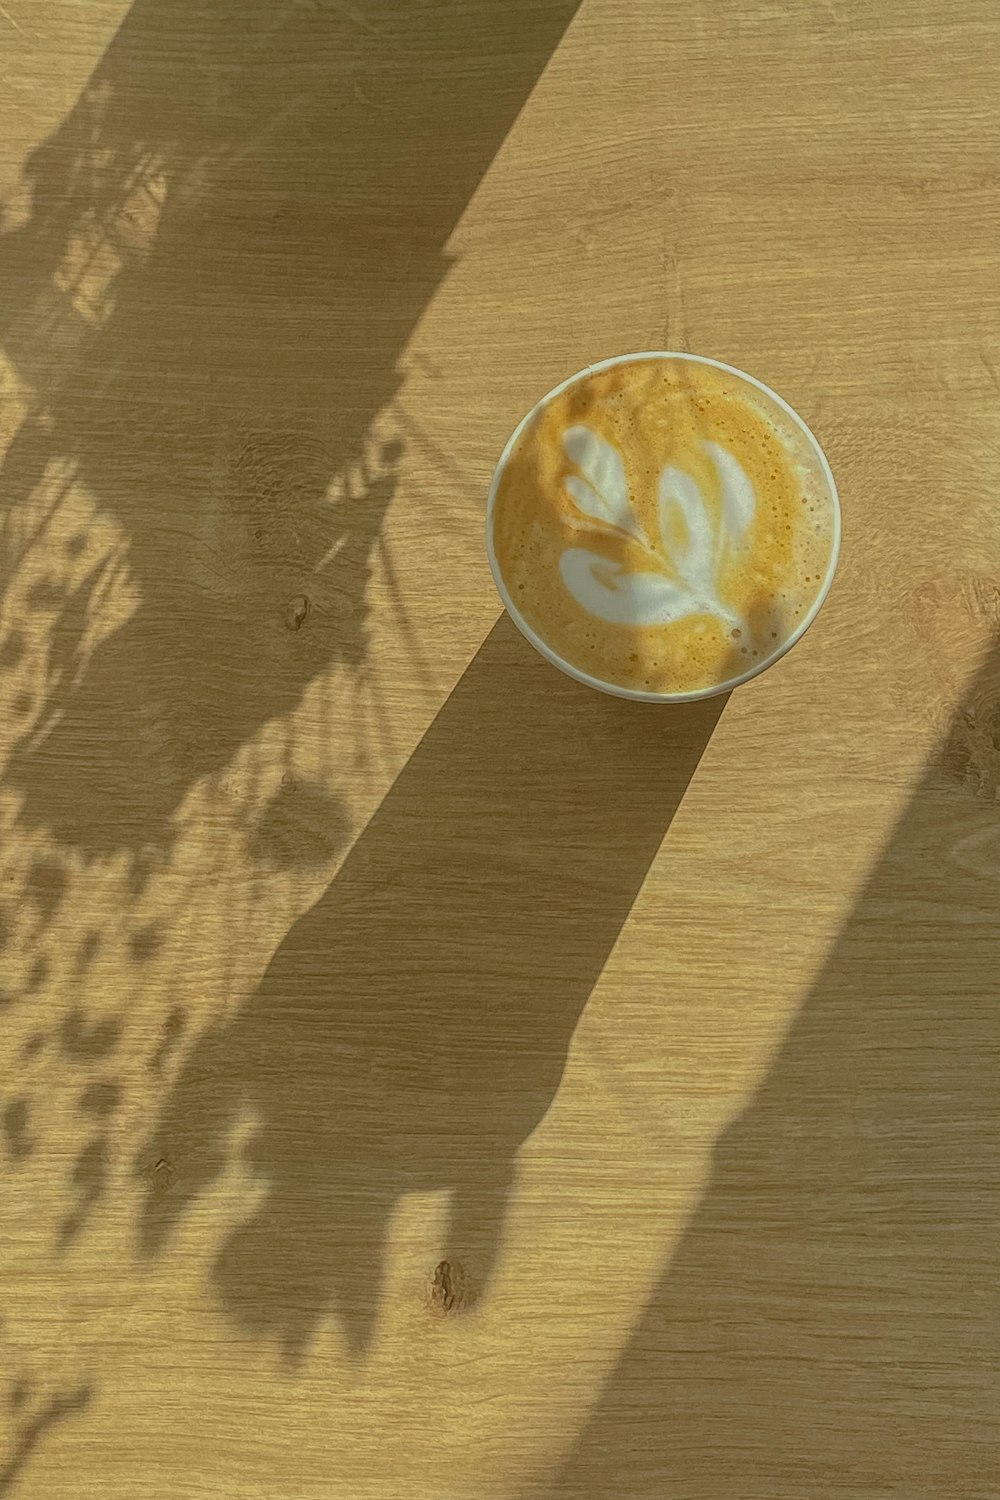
[[207, 281], [412, 1029], [828, 1323], [209, 276]]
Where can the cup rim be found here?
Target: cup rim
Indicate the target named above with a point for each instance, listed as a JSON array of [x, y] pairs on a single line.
[[648, 695]]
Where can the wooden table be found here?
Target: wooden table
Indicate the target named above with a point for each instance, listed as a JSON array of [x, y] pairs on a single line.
[[423, 1078]]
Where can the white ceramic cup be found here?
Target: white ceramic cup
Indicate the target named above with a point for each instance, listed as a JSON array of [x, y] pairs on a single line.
[[615, 689]]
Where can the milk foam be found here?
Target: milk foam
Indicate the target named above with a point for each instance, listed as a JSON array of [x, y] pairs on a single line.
[[685, 558]]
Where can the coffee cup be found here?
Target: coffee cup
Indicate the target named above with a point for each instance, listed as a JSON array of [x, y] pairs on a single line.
[[663, 527]]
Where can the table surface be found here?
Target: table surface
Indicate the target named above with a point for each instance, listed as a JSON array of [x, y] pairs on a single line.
[[422, 1077]]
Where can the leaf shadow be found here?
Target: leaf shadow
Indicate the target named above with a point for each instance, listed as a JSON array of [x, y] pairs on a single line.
[[208, 279], [34, 1430]]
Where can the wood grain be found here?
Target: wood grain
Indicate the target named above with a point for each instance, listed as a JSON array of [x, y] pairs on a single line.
[[421, 1077]]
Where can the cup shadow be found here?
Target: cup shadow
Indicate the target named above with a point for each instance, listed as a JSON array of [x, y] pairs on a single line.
[[828, 1324], [412, 1029]]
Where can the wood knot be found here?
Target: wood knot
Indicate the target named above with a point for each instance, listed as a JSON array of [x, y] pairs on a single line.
[[161, 1175], [447, 1288], [297, 612], [971, 754]]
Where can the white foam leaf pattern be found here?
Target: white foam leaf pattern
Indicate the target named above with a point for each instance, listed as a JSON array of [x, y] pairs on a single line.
[[738, 502], [692, 539], [692, 554], [603, 492], [609, 591]]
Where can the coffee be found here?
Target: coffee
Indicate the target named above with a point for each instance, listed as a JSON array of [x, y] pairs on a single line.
[[663, 525]]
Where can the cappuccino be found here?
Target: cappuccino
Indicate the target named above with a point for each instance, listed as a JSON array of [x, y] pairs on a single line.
[[662, 526]]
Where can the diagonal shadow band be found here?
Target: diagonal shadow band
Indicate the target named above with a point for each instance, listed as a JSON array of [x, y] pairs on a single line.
[[828, 1325], [412, 1029]]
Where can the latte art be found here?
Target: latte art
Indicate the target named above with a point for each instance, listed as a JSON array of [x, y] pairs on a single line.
[[689, 548], [663, 524]]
